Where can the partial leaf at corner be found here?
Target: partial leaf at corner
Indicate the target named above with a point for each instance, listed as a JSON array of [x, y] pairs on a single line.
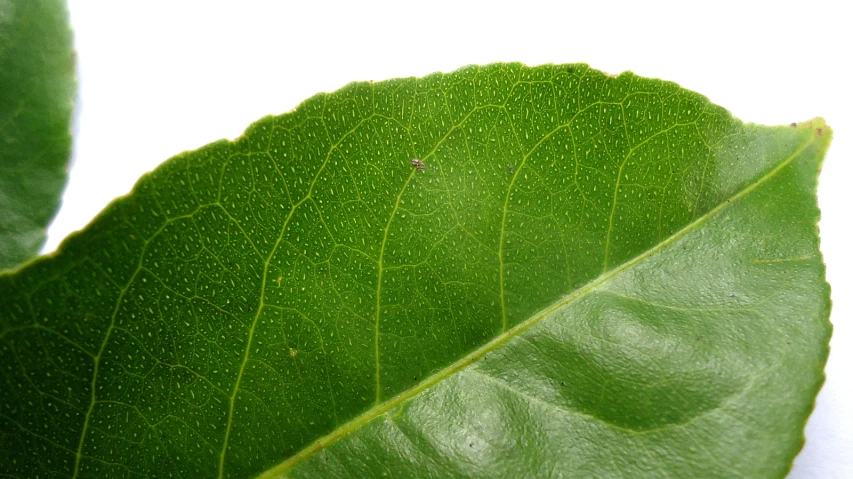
[[36, 92]]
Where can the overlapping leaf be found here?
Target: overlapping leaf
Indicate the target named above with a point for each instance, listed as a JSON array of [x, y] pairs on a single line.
[[590, 275], [36, 91]]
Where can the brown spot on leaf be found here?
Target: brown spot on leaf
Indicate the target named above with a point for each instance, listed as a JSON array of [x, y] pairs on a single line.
[[72, 63]]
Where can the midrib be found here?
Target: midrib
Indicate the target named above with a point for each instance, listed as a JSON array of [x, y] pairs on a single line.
[[283, 467]]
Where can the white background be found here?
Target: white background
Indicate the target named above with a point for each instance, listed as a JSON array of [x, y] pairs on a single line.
[[160, 77]]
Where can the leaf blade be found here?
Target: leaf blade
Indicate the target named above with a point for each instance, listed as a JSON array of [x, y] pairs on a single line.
[[226, 312]]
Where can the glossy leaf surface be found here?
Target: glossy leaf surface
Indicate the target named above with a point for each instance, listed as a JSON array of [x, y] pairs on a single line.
[[36, 92], [584, 275]]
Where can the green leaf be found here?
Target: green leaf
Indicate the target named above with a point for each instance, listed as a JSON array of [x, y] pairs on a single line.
[[36, 92], [591, 276]]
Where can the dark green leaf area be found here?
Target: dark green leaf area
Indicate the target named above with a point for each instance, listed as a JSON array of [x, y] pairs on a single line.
[[526, 292], [36, 91]]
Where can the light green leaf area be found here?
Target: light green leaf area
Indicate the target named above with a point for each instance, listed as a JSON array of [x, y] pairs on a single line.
[[591, 276], [36, 92]]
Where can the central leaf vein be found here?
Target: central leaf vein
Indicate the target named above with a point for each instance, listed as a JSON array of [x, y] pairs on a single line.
[[464, 362]]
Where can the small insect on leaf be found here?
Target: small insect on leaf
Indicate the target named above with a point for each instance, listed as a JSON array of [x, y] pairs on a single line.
[[418, 164]]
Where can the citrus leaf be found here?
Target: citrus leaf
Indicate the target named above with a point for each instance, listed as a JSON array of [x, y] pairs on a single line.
[[36, 92], [499, 272]]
